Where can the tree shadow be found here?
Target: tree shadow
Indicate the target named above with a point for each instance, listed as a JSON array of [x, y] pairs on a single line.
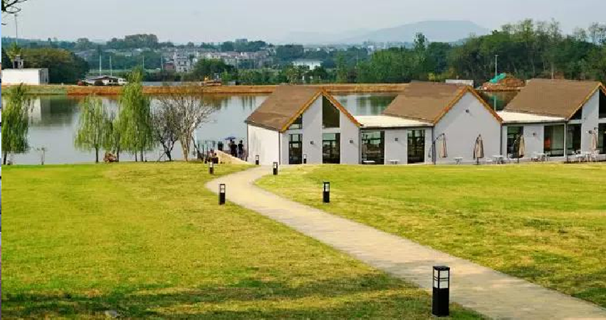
[[372, 296]]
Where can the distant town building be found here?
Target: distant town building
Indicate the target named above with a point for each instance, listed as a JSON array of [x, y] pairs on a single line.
[[311, 64], [31, 76], [182, 62]]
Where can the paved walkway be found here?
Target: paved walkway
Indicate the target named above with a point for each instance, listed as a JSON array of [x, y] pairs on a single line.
[[491, 293]]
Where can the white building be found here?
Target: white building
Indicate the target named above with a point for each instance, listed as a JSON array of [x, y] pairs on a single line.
[[431, 123], [427, 123], [25, 76], [558, 119], [182, 62], [311, 64], [298, 124]]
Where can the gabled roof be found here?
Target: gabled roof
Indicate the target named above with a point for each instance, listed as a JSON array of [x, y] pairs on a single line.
[[287, 103], [429, 102], [557, 98]]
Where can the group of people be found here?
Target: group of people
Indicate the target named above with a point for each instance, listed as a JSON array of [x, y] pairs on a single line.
[[235, 150]]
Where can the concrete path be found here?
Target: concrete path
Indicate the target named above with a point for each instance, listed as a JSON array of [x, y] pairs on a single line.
[[491, 293]]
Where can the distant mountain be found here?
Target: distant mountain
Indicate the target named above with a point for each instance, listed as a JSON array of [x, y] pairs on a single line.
[[435, 31], [318, 38]]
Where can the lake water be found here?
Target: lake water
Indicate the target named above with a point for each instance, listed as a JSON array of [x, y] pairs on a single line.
[[54, 121]]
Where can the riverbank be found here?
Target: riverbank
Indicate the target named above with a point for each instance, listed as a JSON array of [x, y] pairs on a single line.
[[72, 90]]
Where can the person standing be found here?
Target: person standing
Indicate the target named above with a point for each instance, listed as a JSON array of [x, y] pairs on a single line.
[[241, 150], [233, 148]]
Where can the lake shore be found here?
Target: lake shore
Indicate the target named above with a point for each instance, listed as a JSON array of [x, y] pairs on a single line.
[[72, 90]]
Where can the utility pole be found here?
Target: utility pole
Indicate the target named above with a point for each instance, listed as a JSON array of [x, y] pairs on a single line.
[[111, 69], [496, 65], [100, 64], [16, 30]]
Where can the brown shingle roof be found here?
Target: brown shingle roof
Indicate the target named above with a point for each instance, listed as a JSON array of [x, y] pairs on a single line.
[[559, 98], [283, 104], [287, 103], [430, 101]]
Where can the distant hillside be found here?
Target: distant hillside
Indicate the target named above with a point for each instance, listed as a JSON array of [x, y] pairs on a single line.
[[435, 31], [440, 31]]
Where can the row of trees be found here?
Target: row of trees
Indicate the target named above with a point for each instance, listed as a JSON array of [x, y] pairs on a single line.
[[138, 128], [135, 129], [528, 49]]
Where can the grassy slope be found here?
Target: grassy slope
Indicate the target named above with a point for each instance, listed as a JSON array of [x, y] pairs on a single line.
[[545, 223], [148, 241]]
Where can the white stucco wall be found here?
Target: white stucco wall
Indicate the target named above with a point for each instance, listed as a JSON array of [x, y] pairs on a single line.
[[590, 120], [25, 76], [396, 150], [534, 138], [263, 142], [462, 128], [350, 141], [312, 132]]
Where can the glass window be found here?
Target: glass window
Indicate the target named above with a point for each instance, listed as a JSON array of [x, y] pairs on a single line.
[[416, 146], [373, 147], [298, 124], [513, 138], [331, 148], [602, 138], [553, 142], [330, 114], [295, 149], [573, 139], [602, 105], [578, 114]]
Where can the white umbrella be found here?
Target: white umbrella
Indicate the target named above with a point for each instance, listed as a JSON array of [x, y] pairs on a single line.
[[443, 149], [594, 141], [521, 147], [478, 149]]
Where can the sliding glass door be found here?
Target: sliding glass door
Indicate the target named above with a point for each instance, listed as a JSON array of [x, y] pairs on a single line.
[[331, 148], [416, 146]]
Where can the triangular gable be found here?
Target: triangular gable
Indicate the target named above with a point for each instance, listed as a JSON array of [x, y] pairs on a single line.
[[600, 87], [460, 96], [322, 93]]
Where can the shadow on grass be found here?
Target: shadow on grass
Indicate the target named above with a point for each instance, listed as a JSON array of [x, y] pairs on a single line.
[[371, 296]]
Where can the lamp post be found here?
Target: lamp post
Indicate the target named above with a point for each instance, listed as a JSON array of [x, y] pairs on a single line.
[[257, 160], [275, 167], [441, 291], [222, 190], [304, 158], [326, 192], [211, 167]]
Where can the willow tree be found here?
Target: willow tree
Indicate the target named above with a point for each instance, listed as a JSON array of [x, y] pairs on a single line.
[[135, 119], [94, 124], [11, 6], [15, 117]]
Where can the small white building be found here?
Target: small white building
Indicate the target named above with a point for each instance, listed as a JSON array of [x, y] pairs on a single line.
[[309, 63], [29, 76], [182, 62], [432, 123], [301, 124], [557, 118]]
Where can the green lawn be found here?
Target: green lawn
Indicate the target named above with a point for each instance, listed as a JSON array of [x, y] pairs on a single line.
[[542, 222], [148, 241]]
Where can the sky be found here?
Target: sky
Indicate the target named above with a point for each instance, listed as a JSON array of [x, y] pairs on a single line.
[[181, 21]]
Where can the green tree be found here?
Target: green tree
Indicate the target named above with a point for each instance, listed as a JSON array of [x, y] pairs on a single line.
[[94, 125], [209, 68], [5, 59], [135, 120], [63, 66], [15, 117]]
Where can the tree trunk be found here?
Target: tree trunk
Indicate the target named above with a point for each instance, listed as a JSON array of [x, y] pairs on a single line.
[[136, 157], [4, 157], [142, 160], [97, 155]]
